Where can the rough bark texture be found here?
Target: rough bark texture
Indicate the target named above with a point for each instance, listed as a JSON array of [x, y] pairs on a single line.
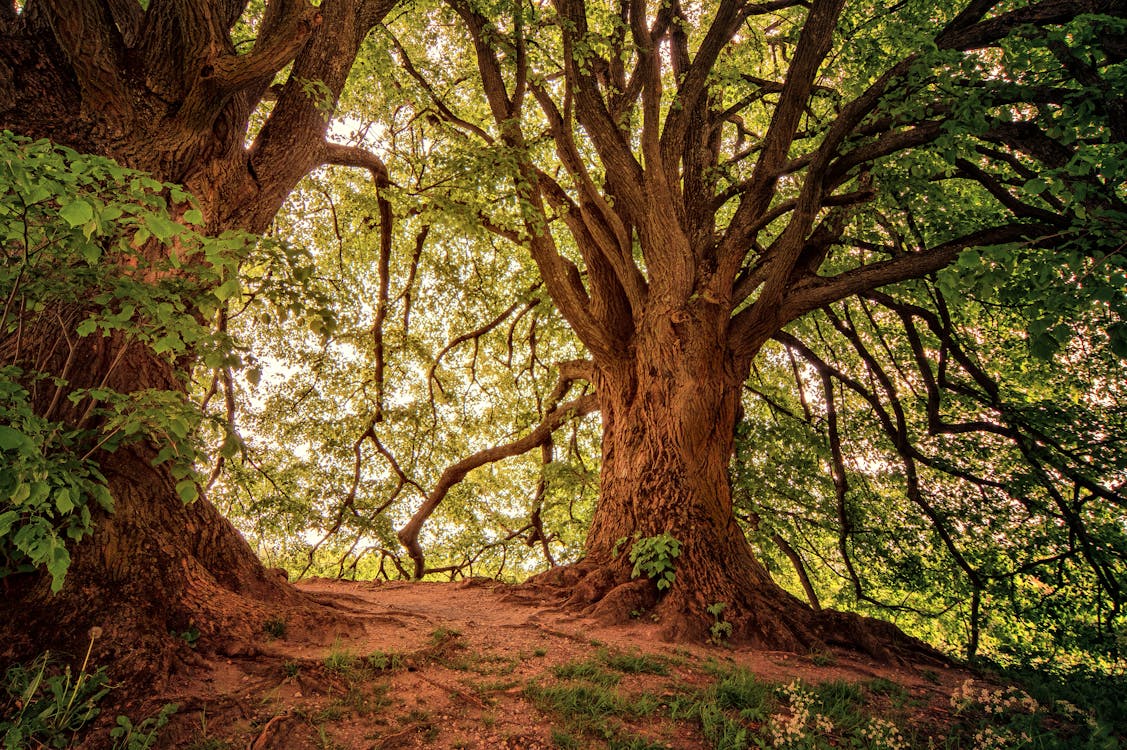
[[164, 90], [669, 415]]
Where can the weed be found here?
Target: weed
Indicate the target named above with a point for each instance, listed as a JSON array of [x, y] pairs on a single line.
[[565, 741], [385, 661], [141, 736], [634, 743], [720, 630], [204, 741], [291, 668], [275, 627], [330, 713], [189, 636], [653, 558], [577, 701], [44, 707], [540, 652], [443, 635], [340, 660], [634, 663], [823, 659], [588, 671]]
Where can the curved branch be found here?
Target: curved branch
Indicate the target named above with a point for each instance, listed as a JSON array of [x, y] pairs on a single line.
[[556, 418]]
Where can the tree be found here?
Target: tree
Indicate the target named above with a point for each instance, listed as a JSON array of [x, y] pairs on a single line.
[[196, 94], [692, 179]]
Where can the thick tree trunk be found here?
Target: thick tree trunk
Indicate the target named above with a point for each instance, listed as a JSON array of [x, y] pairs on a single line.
[[157, 574], [669, 413]]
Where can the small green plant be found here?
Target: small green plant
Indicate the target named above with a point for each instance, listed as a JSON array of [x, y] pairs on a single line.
[[442, 635], [141, 736], [653, 558], [540, 652], [385, 661], [190, 636], [587, 671], [204, 740], [340, 660], [275, 627], [634, 663], [720, 630], [823, 659], [48, 707], [291, 668]]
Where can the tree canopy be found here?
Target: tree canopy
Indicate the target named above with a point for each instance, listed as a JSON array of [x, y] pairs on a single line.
[[844, 283]]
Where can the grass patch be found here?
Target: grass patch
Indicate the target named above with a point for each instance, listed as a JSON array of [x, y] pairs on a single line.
[[635, 663], [587, 671]]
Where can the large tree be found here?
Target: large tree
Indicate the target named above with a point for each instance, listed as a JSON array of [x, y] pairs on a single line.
[[234, 104], [690, 178]]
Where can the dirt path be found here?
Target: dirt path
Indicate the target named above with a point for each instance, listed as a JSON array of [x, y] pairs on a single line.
[[472, 665]]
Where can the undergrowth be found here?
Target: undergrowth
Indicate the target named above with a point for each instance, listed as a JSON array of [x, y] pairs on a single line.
[[46, 704]]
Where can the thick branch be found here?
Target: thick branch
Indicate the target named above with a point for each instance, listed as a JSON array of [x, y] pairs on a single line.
[[409, 534]]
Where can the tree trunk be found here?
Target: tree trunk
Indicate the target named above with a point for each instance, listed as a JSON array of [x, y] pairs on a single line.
[[669, 413], [157, 575]]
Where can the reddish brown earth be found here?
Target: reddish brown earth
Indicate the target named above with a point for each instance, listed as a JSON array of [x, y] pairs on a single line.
[[447, 665]]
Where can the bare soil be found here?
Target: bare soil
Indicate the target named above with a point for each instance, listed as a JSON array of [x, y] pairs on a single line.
[[449, 665]]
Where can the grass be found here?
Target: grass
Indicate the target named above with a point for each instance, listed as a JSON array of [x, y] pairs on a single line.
[[634, 663], [589, 671], [274, 627], [341, 660]]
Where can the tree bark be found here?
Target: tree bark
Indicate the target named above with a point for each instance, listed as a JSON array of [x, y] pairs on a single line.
[[669, 408]]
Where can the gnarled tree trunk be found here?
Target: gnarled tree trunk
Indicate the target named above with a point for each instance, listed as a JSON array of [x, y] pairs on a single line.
[[669, 410], [669, 415]]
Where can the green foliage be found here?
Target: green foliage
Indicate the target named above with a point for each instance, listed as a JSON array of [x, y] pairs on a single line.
[[49, 491], [720, 629], [103, 258], [142, 735], [341, 660], [275, 627], [653, 558], [634, 662], [45, 706], [74, 231], [588, 671]]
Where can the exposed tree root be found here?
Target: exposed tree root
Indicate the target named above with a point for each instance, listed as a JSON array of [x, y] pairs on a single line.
[[756, 614], [157, 585]]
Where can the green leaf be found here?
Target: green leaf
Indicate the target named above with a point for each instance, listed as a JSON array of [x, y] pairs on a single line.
[[63, 500], [77, 212], [162, 227], [227, 289], [187, 490], [10, 439], [7, 519]]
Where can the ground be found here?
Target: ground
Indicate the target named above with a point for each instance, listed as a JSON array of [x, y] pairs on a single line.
[[480, 664]]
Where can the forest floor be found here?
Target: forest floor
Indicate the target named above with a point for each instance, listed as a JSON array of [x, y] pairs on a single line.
[[477, 665]]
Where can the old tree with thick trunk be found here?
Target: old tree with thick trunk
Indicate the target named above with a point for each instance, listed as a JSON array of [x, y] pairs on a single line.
[[714, 169], [689, 178], [162, 87]]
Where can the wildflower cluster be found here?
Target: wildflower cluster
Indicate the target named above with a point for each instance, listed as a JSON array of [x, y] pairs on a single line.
[[1005, 701], [880, 734], [803, 724]]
